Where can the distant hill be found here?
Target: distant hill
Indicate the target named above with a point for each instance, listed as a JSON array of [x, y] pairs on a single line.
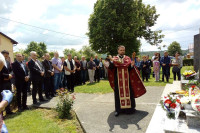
[[151, 53]]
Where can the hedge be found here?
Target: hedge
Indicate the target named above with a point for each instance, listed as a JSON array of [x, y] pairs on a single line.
[[188, 62]]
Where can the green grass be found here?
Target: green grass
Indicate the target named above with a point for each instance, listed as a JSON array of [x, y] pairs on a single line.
[[104, 87], [41, 121]]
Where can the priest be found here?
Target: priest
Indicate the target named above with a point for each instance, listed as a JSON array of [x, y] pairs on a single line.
[[125, 80]]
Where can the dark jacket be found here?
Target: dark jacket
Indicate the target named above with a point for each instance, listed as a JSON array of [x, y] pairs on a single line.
[[96, 62], [4, 74], [165, 60], [48, 68], [19, 72], [91, 65], [145, 69], [9, 66], [35, 71]]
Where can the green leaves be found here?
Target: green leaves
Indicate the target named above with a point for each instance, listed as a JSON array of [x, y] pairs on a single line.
[[121, 22], [40, 48], [173, 48]]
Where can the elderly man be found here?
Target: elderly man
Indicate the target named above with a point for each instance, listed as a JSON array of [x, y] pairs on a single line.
[[36, 75], [57, 65], [70, 69], [21, 81], [83, 69], [48, 76]]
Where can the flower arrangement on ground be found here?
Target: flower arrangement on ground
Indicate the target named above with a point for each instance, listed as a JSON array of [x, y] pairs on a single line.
[[189, 74], [181, 101], [170, 104]]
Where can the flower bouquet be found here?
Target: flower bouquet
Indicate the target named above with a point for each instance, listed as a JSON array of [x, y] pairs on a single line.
[[196, 104], [189, 74], [171, 104]]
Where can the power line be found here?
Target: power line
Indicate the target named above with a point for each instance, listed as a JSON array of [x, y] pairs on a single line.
[[42, 28], [38, 32]]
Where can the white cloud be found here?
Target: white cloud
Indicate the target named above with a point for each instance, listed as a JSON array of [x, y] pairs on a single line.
[[71, 17], [176, 15]]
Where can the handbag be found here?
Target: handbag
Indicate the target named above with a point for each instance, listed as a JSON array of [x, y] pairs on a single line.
[[175, 69]]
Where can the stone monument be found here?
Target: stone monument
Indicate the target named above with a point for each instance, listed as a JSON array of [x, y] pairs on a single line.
[[196, 52]]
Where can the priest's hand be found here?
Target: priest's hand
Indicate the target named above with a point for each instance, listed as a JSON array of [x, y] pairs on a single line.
[[132, 63], [42, 74], [110, 57]]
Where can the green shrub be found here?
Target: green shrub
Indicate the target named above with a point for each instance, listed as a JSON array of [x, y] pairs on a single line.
[[64, 105], [188, 62]]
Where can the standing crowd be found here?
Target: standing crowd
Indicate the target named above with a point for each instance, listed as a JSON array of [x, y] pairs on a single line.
[[50, 75], [157, 62], [47, 76]]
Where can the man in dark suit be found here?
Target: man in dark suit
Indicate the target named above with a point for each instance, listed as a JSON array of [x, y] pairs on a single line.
[[5, 77], [21, 81], [48, 76], [36, 75], [165, 63]]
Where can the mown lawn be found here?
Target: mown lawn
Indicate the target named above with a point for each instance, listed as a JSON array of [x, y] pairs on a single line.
[[41, 121], [104, 87]]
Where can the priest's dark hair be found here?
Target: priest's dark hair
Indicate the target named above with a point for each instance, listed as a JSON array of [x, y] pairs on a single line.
[[121, 46]]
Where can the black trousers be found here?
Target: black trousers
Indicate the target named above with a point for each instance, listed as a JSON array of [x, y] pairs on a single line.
[[165, 73], [6, 86], [178, 75], [21, 89], [37, 87], [97, 75], [48, 85], [144, 76], [70, 82], [77, 78]]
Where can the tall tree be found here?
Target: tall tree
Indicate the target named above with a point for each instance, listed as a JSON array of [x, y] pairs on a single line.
[[40, 48], [73, 52], [88, 52], [173, 48], [122, 22]]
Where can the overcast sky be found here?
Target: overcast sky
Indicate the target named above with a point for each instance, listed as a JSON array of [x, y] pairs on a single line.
[[179, 20]]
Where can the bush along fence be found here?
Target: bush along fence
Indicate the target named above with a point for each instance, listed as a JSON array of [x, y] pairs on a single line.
[[188, 62]]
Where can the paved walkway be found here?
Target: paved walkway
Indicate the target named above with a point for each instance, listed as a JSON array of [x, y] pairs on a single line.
[[96, 112]]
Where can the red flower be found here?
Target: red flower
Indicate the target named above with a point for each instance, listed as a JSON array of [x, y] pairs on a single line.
[[193, 86], [168, 101], [178, 101], [173, 105]]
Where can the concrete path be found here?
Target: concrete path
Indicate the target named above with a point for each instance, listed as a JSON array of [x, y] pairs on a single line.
[[96, 112]]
